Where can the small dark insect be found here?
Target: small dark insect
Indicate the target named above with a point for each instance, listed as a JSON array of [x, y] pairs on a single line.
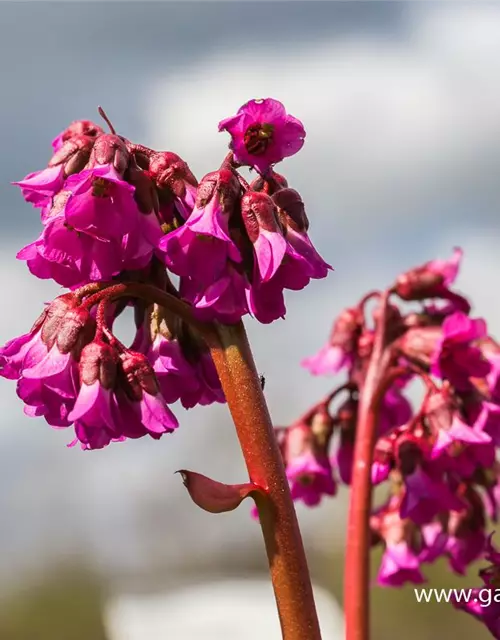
[[262, 382]]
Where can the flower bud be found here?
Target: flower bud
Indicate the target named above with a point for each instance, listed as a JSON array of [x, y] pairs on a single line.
[[73, 154], [420, 343], [54, 315], [258, 213], [272, 183], [76, 129], [145, 193], [428, 280], [171, 172], [347, 329], [221, 184], [98, 361], [76, 329], [139, 375], [291, 210], [112, 150]]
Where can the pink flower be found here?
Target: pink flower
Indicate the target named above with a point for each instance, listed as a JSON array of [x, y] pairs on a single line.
[[427, 493], [47, 371], [292, 215], [71, 258], [224, 299], [395, 410], [259, 217], [434, 541], [399, 565], [430, 280], [192, 383], [310, 477], [457, 431], [201, 248], [466, 540], [176, 185], [308, 469], [455, 359], [262, 133], [330, 359], [142, 409], [95, 408], [119, 398], [488, 421], [483, 603], [97, 232], [400, 562], [341, 347], [425, 497], [101, 204], [482, 606], [40, 187], [14, 352], [446, 269]]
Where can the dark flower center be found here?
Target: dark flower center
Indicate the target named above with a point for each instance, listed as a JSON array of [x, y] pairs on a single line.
[[257, 138], [100, 187], [306, 479]]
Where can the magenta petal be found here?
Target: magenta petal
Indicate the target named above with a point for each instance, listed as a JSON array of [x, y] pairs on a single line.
[[107, 212], [399, 566], [329, 360], [93, 407], [270, 248], [448, 269], [40, 187], [53, 363], [155, 414]]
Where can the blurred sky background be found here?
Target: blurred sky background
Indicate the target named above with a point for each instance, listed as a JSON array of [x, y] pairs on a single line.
[[401, 103]]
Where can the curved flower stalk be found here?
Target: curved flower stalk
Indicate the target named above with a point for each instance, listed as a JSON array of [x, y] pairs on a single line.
[[116, 218], [437, 460]]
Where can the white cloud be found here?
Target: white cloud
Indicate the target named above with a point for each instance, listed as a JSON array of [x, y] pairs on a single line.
[[393, 124]]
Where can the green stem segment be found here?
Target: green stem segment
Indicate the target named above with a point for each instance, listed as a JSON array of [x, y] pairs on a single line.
[[357, 563], [287, 561]]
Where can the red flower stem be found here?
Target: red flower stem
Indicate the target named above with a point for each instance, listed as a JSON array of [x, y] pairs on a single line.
[[357, 564], [287, 561], [241, 384]]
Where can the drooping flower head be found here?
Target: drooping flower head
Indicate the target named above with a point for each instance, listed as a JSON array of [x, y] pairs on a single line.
[[94, 228], [262, 134], [400, 562], [308, 468], [456, 359]]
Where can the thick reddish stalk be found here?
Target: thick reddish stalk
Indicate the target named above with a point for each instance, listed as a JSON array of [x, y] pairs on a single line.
[[242, 387], [287, 561], [357, 564]]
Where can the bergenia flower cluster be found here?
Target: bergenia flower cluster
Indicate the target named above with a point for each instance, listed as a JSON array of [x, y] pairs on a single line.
[[438, 459], [116, 218]]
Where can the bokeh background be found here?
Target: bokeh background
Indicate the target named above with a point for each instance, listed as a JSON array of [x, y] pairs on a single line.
[[401, 102]]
